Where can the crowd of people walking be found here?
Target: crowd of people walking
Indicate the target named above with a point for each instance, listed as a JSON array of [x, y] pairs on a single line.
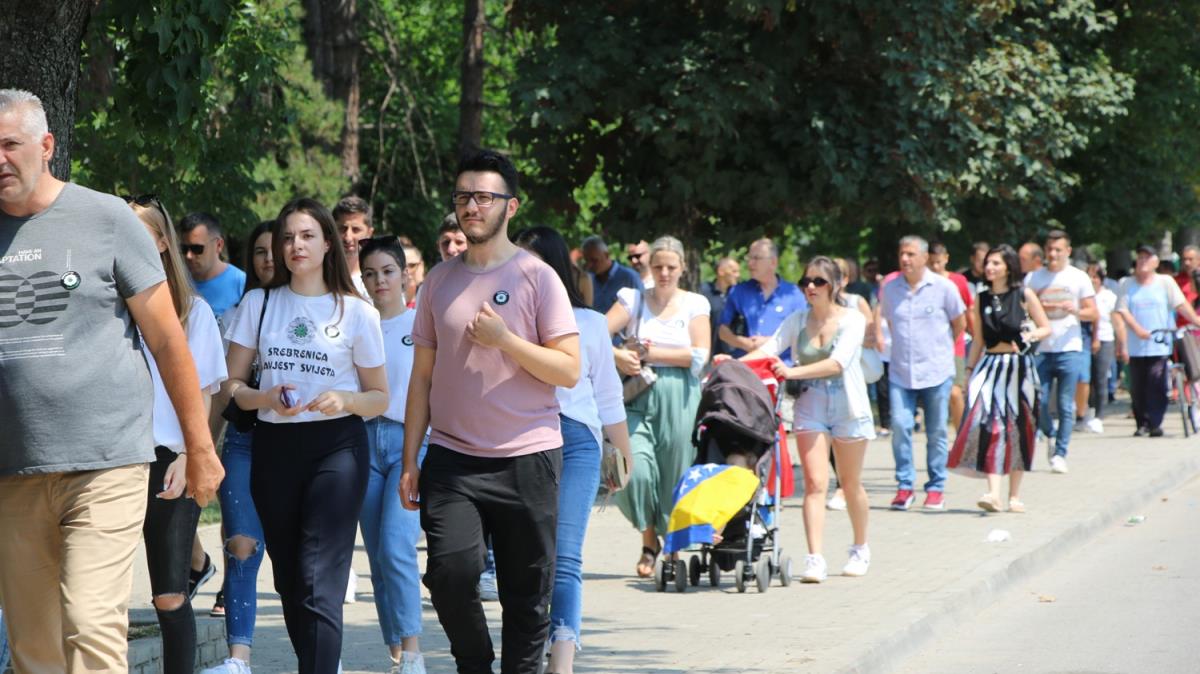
[[481, 403]]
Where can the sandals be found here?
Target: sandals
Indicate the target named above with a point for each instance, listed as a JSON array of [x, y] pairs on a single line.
[[1015, 505], [989, 503], [652, 555]]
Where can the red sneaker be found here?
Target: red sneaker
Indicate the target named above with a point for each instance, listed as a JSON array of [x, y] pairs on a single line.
[[904, 498], [934, 501]]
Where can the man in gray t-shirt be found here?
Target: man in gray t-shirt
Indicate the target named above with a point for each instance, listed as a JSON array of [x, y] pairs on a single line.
[[79, 275]]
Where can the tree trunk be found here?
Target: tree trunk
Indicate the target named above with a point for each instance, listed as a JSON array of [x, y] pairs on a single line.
[[470, 107], [334, 45], [40, 43]]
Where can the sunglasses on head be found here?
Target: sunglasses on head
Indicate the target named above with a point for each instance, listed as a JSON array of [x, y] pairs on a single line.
[[815, 281]]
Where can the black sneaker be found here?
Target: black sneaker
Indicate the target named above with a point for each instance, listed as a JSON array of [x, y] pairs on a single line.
[[1156, 432], [218, 609], [198, 578], [1142, 432]]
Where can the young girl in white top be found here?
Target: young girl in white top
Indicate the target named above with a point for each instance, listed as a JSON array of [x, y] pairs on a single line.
[[171, 520], [592, 405], [667, 329], [320, 351], [826, 342], [390, 532]]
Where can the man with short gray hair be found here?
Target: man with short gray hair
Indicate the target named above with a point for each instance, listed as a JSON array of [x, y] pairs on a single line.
[[608, 275], [755, 309], [79, 277], [925, 315]]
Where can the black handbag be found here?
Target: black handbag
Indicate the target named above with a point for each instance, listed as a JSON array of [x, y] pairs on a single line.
[[243, 420]]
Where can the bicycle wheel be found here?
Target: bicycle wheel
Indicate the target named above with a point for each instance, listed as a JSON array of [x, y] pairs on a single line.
[[1178, 383]]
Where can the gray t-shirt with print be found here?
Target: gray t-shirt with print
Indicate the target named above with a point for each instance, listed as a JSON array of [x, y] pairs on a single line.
[[75, 391]]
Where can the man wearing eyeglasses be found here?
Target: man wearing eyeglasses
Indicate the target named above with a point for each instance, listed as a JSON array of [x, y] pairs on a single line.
[[78, 273], [218, 282], [755, 309], [494, 334]]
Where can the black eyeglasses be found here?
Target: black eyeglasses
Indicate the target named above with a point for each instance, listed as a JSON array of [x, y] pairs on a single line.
[[482, 199], [815, 281], [196, 249], [143, 200]]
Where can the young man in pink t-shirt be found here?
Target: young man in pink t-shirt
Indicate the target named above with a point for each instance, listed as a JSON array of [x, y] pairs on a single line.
[[494, 334]]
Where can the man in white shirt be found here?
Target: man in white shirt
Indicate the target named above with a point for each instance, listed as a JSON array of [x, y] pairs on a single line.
[[1069, 299], [353, 217]]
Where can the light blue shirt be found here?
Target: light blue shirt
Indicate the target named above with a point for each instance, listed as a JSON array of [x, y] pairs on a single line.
[[922, 338], [1153, 307], [223, 291]]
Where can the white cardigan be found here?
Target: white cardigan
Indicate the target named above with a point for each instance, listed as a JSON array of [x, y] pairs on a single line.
[[847, 351]]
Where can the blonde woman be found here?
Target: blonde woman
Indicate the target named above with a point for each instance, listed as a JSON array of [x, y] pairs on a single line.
[[667, 329], [171, 520]]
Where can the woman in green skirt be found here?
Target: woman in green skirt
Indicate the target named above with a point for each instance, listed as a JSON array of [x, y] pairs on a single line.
[[667, 339]]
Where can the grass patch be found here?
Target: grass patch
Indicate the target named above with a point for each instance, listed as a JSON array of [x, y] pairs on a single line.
[[211, 513], [142, 631]]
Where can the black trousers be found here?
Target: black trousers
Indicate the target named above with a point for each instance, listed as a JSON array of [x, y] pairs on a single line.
[[1148, 389], [168, 530], [308, 481], [515, 501], [883, 398]]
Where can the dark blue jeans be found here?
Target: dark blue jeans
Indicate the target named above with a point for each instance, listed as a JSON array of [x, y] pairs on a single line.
[[239, 518], [1066, 368]]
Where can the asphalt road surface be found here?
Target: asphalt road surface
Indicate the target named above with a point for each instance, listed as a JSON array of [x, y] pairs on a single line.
[[1127, 602]]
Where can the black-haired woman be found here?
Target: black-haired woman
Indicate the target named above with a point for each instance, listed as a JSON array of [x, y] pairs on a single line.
[[591, 406], [320, 351], [997, 434]]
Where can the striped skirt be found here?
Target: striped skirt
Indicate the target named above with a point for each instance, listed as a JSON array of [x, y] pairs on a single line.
[[999, 426]]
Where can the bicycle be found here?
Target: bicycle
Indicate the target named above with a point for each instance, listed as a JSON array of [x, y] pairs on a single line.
[[1181, 388]]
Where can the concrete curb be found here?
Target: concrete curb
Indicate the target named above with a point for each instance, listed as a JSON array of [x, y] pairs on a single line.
[[967, 597]]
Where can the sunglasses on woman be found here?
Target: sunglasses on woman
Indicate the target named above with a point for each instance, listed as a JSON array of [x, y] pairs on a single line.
[[815, 281]]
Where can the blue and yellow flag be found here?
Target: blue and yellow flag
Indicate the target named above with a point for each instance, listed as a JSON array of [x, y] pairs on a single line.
[[706, 498]]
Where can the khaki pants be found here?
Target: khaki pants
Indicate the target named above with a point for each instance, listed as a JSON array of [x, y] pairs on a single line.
[[67, 542]]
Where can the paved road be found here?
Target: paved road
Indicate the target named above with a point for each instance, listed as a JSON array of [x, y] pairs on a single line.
[[926, 568], [1129, 601]]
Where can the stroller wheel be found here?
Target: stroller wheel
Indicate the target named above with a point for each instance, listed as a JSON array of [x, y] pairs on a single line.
[[762, 573], [694, 570], [785, 570], [660, 575], [739, 575], [681, 575], [714, 573]]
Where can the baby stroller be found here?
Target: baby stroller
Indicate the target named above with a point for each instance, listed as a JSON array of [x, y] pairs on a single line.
[[737, 422]]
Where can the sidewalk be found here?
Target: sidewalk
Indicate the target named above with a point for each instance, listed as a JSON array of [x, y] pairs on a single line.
[[928, 570]]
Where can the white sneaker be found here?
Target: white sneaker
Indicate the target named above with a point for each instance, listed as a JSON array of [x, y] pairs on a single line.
[[351, 587], [815, 569], [410, 663], [230, 666], [487, 587], [1058, 464], [1094, 425], [836, 503], [859, 562]]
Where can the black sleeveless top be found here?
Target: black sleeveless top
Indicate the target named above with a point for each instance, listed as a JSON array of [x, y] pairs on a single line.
[[1002, 315]]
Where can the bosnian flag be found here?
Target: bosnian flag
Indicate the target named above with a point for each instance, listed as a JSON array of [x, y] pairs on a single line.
[[706, 498]]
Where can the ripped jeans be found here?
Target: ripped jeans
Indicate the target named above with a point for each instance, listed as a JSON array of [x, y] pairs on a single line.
[[239, 518], [576, 495]]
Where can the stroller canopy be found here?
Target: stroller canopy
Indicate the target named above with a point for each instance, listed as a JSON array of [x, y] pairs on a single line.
[[736, 397]]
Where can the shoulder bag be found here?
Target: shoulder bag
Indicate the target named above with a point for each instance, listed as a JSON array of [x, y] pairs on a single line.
[[240, 419], [633, 386]]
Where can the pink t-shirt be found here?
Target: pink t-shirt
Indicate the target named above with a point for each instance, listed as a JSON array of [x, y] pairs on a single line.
[[482, 402]]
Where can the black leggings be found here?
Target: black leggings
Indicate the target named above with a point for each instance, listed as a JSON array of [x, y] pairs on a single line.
[[308, 480], [168, 530]]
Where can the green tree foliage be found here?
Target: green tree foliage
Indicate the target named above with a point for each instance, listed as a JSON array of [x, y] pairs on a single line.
[[721, 121], [1138, 177], [209, 104]]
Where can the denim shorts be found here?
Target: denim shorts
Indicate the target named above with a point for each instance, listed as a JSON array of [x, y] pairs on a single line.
[[824, 407]]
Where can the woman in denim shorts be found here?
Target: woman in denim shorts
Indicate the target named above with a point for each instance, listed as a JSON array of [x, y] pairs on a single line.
[[833, 408]]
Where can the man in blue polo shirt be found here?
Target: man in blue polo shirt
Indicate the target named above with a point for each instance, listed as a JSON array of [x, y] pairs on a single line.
[[754, 309], [608, 275]]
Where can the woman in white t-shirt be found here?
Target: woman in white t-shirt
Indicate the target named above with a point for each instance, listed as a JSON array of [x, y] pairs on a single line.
[[171, 520], [667, 329], [320, 352], [390, 532], [591, 407]]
